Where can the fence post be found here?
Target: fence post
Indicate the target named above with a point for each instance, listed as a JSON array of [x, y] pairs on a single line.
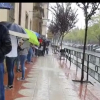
[[77, 62], [87, 67], [70, 57]]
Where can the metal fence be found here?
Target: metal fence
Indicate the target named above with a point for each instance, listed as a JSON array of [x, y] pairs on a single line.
[[91, 65]]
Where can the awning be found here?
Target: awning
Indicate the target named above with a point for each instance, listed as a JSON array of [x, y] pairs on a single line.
[[5, 6]]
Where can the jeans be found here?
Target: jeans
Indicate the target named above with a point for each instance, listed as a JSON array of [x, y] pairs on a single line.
[[2, 91], [29, 56], [36, 52], [44, 51], [32, 52], [22, 62], [17, 62], [10, 69], [47, 49]]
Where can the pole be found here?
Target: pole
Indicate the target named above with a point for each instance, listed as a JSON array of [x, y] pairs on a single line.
[[85, 39], [20, 11]]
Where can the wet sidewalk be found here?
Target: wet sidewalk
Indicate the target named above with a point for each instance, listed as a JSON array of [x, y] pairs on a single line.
[[48, 79], [45, 81]]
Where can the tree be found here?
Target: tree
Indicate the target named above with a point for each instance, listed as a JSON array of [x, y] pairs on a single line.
[[76, 35], [90, 36], [64, 18], [89, 10], [53, 28], [95, 32], [95, 28]]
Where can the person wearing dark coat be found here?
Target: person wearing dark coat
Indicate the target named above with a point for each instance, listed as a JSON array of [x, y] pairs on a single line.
[[44, 47], [5, 48]]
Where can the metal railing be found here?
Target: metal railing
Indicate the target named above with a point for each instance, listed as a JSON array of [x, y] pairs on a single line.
[[91, 65]]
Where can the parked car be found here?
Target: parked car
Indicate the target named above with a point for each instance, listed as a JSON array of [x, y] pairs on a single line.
[[74, 45], [98, 50], [94, 46], [81, 46], [89, 46], [97, 47]]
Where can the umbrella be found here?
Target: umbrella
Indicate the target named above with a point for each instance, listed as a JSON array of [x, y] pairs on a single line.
[[5, 6], [37, 34], [32, 37], [15, 29]]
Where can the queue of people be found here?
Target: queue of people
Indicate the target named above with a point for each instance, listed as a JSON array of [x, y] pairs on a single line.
[[18, 50], [43, 48], [5, 48]]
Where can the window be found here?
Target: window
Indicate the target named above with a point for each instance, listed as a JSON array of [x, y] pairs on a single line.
[[26, 21], [40, 27], [11, 13], [30, 24]]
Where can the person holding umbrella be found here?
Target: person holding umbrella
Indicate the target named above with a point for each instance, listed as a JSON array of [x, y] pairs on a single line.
[[18, 61], [47, 47], [15, 31], [5, 47], [29, 56], [44, 47], [10, 61], [23, 46]]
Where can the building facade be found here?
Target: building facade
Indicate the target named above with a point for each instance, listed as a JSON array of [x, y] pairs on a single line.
[[29, 15], [38, 13], [25, 14], [13, 14], [45, 18], [3, 15]]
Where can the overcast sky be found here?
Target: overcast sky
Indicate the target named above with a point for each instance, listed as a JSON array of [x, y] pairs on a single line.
[[80, 16]]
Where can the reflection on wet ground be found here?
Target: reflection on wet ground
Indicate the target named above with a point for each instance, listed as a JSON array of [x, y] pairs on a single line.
[[50, 79]]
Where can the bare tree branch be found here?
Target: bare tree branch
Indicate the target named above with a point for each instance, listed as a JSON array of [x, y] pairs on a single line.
[[65, 19]]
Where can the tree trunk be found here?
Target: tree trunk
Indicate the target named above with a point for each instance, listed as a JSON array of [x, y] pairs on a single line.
[[58, 39], [85, 39], [61, 41]]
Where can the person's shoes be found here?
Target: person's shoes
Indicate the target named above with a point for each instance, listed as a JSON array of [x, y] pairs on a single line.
[[29, 62], [19, 70], [25, 68], [21, 79], [8, 87]]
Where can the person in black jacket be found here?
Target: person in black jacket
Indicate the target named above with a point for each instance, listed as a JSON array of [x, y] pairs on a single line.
[[44, 47], [5, 48]]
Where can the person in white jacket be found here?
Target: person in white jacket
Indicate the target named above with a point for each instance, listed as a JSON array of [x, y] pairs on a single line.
[[10, 60]]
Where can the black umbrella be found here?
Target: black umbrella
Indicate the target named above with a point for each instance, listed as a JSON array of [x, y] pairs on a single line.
[[15, 29]]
